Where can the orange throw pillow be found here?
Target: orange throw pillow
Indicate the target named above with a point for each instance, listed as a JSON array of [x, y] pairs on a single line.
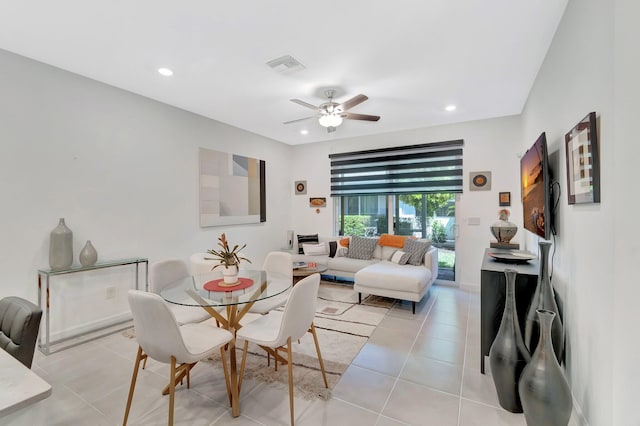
[[344, 242], [392, 240]]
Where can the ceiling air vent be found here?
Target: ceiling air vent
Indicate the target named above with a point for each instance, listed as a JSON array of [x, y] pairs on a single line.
[[286, 64]]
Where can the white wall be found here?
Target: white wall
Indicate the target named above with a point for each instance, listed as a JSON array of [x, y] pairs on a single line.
[[489, 145], [626, 234], [578, 77], [122, 170]]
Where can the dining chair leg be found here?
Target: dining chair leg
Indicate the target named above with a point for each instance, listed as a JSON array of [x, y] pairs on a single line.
[[172, 389], [134, 377], [223, 358], [290, 367], [312, 329], [242, 365]]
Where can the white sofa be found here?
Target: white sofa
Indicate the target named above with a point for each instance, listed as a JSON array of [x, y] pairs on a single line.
[[379, 276]]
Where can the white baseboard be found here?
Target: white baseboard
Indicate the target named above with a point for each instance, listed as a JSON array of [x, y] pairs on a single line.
[[90, 327]]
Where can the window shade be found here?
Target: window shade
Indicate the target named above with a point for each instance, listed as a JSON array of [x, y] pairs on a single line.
[[414, 169]]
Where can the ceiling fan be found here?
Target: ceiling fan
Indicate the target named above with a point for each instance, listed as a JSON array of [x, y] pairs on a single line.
[[330, 114]]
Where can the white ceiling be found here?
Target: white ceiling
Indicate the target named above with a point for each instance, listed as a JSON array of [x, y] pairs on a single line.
[[411, 58]]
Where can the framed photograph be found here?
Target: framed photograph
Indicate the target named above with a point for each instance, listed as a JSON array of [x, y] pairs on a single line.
[[479, 181], [583, 164], [301, 187], [318, 202], [504, 198]]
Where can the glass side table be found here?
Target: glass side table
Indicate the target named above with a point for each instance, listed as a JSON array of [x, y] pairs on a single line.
[[44, 341]]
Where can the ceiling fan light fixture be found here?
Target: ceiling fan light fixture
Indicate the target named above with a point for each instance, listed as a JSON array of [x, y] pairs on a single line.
[[330, 120]]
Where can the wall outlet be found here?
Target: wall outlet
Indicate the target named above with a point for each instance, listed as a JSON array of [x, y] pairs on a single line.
[[111, 292]]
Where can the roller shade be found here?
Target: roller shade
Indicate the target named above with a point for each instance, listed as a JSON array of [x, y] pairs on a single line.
[[414, 169]]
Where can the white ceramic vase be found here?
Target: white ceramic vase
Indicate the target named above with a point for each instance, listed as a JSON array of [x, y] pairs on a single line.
[[88, 255], [230, 274], [61, 247]]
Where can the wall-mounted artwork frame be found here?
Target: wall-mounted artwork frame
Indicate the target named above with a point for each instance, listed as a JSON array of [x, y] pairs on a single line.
[[317, 202], [232, 189], [300, 187], [583, 162], [479, 181], [504, 199]]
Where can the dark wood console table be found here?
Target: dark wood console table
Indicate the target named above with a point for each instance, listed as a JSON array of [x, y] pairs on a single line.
[[492, 295]]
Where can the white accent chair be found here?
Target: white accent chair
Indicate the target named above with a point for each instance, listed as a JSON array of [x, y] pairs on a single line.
[[160, 338], [276, 331], [277, 265], [166, 272], [202, 263]]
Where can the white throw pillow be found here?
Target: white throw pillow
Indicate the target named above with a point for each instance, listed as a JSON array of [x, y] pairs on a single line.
[[400, 257], [315, 249]]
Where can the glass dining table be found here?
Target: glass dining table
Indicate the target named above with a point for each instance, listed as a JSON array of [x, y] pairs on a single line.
[[227, 304]]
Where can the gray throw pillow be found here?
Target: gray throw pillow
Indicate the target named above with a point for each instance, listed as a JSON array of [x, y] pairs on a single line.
[[361, 248], [417, 249]]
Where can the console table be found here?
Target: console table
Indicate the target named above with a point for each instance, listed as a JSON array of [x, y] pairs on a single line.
[[44, 343], [492, 296]]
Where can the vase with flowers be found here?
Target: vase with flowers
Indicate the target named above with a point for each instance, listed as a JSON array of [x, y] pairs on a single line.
[[228, 258], [503, 230]]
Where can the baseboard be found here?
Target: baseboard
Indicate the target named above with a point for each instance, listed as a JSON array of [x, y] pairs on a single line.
[[90, 327]]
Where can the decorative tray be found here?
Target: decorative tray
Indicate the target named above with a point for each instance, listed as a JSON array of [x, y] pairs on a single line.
[[513, 256]]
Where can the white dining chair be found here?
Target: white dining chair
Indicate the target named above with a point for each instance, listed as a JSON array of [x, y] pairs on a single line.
[[202, 263], [276, 331], [278, 265], [161, 338], [165, 272]]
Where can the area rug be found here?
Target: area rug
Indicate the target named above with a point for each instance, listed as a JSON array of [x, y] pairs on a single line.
[[343, 326]]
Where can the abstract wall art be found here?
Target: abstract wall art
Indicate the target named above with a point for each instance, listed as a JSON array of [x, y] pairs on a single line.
[[231, 189]]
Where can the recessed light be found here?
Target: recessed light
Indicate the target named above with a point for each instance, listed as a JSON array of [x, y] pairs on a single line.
[[450, 108], [165, 71], [304, 132]]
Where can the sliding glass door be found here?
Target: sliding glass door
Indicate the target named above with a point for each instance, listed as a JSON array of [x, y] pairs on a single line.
[[429, 216]]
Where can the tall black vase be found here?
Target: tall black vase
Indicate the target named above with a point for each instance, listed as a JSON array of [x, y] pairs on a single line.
[[544, 391], [544, 298], [508, 355]]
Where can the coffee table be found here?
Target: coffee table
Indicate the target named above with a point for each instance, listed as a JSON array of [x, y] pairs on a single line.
[[300, 273]]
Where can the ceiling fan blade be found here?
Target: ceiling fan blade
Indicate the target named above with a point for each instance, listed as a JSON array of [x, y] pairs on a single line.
[[366, 117], [304, 104], [300, 119], [356, 100]]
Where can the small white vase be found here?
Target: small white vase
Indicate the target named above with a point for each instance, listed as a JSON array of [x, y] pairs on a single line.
[[88, 255], [230, 274]]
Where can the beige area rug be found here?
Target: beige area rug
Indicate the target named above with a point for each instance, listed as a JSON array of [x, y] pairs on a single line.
[[343, 327]]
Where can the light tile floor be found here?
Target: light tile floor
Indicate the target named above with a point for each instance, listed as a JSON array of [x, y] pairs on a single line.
[[421, 369]]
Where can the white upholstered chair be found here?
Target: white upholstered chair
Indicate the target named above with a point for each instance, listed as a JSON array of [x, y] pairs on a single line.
[[202, 263], [275, 332], [277, 265], [159, 337], [166, 272]]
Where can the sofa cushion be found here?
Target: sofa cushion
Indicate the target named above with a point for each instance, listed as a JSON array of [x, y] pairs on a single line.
[[311, 238], [417, 249], [388, 275], [349, 265], [361, 248]]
